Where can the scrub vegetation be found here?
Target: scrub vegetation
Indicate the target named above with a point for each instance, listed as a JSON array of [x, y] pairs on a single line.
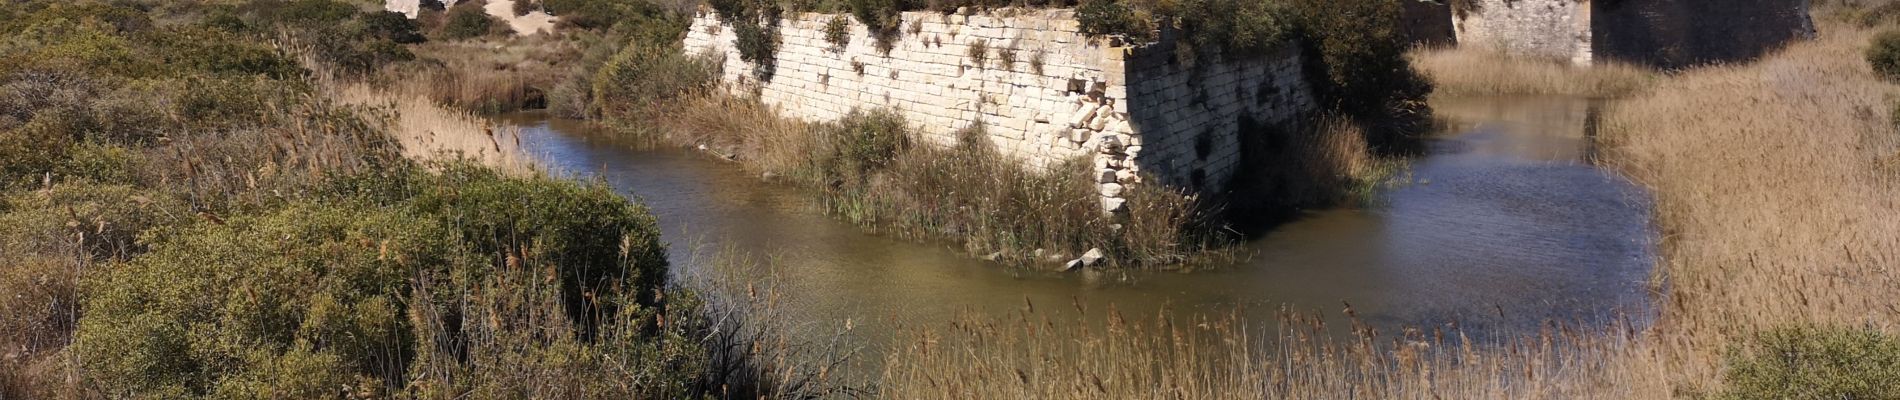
[[189, 212]]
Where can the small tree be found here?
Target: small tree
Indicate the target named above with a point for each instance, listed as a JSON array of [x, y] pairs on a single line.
[[466, 21]]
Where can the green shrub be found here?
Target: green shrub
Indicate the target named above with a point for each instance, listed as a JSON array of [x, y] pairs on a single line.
[[109, 216], [65, 45], [1884, 54], [732, 11], [861, 143], [305, 302], [1355, 50], [1111, 17], [838, 33], [599, 241], [1238, 28], [394, 27], [979, 52], [222, 52], [466, 21], [757, 44], [878, 15], [639, 76], [27, 152], [101, 163], [1808, 362], [306, 13]]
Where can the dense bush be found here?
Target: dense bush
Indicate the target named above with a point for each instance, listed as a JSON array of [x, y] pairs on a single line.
[[599, 242], [466, 21], [862, 142], [392, 26], [306, 303], [324, 295], [639, 76], [1355, 51], [1111, 17], [1815, 363], [756, 43], [878, 15], [1884, 54], [85, 220]]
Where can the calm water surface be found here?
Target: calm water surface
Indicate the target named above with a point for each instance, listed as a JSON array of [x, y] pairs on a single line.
[[1505, 225]]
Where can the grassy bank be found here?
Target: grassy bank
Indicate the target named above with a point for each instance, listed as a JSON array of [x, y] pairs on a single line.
[[872, 169]]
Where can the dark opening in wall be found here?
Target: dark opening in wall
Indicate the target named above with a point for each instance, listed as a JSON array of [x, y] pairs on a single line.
[[533, 98], [1203, 145]]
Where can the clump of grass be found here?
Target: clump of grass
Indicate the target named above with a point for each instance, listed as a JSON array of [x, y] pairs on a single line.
[[979, 53], [1465, 71], [1326, 162], [1036, 60], [1006, 58]]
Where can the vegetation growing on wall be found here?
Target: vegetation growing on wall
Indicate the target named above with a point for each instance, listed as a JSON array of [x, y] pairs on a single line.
[[838, 32]]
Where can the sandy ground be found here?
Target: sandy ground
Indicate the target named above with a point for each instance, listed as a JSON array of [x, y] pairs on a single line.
[[532, 23]]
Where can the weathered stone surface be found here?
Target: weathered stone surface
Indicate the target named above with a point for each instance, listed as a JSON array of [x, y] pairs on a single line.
[[1093, 258], [1114, 205], [1664, 33], [1129, 109]]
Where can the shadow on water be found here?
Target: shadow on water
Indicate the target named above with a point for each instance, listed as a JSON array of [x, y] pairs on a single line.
[[1505, 225]]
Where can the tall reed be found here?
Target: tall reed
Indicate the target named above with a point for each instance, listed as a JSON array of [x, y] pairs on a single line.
[[1478, 71]]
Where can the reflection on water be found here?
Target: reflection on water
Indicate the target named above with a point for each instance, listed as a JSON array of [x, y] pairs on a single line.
[[1505, 226]]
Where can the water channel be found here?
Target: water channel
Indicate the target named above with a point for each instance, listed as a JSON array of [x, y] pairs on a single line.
[[1505, 224]]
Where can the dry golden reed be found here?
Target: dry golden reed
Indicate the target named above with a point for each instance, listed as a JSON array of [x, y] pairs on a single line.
[[1771, 197], [428, 131], [1475, 71]]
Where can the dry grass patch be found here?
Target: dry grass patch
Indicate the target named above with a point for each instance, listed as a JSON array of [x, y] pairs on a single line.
[[487, 76], [428, 131], [1471, 71], [1030, 355], [1770, 195]]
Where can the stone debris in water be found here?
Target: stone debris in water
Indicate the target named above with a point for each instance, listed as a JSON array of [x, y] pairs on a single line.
[[1092, 258]]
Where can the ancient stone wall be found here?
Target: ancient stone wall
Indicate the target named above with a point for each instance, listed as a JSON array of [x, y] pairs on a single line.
[[1557, 29], [1680, 33], [1429, 23], [1042, 92], [1661, 33]]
